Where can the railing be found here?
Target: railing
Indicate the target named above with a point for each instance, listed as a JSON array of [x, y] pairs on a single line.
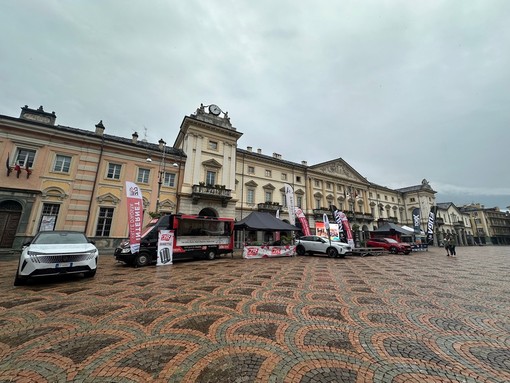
[[269, 206], [217, 192]]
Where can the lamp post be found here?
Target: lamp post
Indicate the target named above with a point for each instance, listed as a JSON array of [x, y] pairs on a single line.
[[177, 199], [161, 171]]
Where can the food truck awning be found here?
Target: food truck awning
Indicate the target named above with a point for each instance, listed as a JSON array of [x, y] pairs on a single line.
[[263, 221]]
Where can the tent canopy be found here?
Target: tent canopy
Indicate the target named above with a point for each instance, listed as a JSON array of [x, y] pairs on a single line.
[[387, 227], [263, 221]]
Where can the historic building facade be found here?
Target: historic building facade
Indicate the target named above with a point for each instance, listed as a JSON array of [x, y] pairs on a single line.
[[59, 177]]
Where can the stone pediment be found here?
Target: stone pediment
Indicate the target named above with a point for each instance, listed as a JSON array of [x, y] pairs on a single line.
[[108, 198], [212, 163], [341, 169]]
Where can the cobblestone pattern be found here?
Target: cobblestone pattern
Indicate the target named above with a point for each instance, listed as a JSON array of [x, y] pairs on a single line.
[[423, 317]]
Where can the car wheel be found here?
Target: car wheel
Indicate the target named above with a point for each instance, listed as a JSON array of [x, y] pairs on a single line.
[[210, 255], [300, 250], [19, 281], [142, 259], [393, 250], [332, 252], [90, 274]]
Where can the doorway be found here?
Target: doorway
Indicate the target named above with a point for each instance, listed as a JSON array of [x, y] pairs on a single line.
[[10, 215]]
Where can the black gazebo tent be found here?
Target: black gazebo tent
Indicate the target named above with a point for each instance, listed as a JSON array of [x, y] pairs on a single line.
[[263, 221]]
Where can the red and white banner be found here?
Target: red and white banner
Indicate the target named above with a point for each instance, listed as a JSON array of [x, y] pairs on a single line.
[[303, 221], [268, 251], [347, 228], [135, 215], [289, 197], [165, 247]]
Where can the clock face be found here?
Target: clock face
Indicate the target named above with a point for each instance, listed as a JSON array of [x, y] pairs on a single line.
[[214, 109]]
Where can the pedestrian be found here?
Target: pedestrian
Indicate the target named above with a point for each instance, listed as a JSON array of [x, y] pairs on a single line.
[[452, 247], [447, 244]]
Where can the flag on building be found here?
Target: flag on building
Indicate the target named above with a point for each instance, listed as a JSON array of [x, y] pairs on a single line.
[[7, 164], [135, 215]]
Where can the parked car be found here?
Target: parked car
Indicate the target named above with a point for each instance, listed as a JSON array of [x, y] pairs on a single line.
[[311, 244], [390, 244], [56, 253]]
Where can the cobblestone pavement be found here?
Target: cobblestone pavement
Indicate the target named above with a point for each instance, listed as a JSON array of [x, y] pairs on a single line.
[[423, 317]]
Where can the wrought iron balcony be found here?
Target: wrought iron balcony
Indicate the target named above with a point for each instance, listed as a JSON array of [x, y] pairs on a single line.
[[269, 206], [319, 213], [211, 192], [459, 224]]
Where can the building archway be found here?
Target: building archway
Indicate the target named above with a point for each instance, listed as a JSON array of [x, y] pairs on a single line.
[[10, 215], [208, 212]]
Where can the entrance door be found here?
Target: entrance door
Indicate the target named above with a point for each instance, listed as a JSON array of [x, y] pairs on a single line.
[[10, 214]]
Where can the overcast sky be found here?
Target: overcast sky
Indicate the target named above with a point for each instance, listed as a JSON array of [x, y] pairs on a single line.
[[401, 90]]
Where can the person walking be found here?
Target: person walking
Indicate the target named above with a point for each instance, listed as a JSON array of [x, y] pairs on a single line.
[[453, 253], [447, 244]]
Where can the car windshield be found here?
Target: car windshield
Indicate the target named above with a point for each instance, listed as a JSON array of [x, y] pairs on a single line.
[[391, 240], [55, 237]]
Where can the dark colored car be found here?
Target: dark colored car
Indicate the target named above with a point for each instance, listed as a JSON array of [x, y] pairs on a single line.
[[390, 244]]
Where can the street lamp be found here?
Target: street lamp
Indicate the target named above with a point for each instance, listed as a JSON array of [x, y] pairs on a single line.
[[177, 199], [162, 164]]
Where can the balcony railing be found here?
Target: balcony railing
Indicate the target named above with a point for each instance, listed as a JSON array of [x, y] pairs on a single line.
[[319, 213], [269, 206], [459, 224], [214, 192]]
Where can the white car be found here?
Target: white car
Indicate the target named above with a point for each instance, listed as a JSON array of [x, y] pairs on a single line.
[[55, 253], [311, 244]]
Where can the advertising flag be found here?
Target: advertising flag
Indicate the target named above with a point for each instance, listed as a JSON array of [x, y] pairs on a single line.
[[325, 219], [277, 235], [135, 215], [430, 225], [165, 247], [289, 196], [338, 219], [303, 221], [416, 220]]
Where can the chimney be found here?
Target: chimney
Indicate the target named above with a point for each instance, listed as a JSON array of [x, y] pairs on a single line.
[[278, 156], [100, 128], [135, 138], [305, 163], [259, 151], [161, 144], [249, 148]]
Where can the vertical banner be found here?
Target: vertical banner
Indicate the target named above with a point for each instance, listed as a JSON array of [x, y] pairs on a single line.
[[135, 215], [325, 219], [277, 233], [416, 220], [430, 225], [303, 221], [347, 228], [165, 247], [338, 220], [289, 196]]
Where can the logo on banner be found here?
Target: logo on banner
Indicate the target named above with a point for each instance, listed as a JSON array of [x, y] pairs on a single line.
[[165, 247]]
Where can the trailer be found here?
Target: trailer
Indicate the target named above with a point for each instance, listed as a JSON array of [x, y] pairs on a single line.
[[367, 251]]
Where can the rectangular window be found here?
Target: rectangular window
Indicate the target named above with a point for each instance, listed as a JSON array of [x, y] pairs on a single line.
[[104, 222], [213, 145], [268, 173], [114, 171], [317, 203], [299, 201], [284, 200], [169, 179], [24, 157], [143, 175], [62, 164], [298, 179], [251, 169], [317, 183], [49, 217], [329, 185], [412, 200], [250, 196], [268, 195], [284, 176], [210, 178]]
